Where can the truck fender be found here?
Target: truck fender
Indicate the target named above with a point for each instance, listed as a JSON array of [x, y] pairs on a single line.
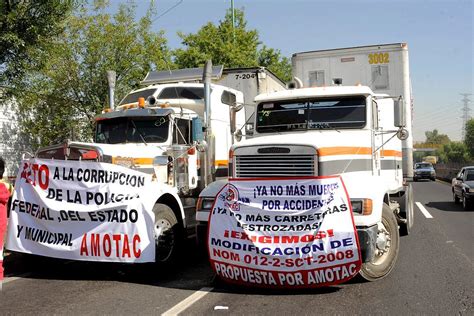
[[213, 188], [168, 195]]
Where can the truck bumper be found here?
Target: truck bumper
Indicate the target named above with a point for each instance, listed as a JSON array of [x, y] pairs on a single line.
[[367, 242], [201, 234]]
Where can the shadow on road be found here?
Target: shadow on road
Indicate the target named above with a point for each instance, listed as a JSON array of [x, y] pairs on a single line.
[[446, 206], [192, 272]]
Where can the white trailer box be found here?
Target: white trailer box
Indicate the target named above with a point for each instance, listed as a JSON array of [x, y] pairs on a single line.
[[383, 68], [251, 82]]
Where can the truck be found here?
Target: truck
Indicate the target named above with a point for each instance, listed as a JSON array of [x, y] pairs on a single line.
[[177, 127], [349, 114]]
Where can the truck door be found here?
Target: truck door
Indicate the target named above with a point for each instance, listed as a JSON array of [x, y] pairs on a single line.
[[182, 136], [377, 139]]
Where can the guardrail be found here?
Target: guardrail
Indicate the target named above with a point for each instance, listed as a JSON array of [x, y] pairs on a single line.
[[448, 171]]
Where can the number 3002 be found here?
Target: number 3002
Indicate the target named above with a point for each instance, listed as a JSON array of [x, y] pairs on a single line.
[[378, 58]]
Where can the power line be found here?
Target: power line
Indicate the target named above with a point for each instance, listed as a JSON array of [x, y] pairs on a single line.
[[168, 10]]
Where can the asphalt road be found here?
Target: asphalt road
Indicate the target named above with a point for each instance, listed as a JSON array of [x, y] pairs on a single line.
[[434, 275]]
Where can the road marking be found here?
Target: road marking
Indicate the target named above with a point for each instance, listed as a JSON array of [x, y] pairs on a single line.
[[187, 302], [423, 210]]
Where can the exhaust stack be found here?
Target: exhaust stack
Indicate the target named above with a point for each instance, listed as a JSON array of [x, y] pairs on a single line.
[[207, 154], [207, 74], [111, 76]]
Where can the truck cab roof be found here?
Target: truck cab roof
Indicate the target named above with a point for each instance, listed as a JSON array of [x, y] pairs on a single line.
[[304, 93], [170, 91]]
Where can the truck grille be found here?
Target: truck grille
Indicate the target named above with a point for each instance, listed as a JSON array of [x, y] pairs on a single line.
[[254, 166]]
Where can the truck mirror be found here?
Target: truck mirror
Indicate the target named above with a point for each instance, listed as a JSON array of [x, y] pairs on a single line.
[[238, 135], [197, 130], [233, 126], [399, 119]]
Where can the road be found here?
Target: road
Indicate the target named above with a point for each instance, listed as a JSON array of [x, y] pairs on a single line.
[[434, 275]]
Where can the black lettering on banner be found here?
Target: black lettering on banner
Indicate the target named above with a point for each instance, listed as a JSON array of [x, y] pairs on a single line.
[[114, 216], [19, 229]]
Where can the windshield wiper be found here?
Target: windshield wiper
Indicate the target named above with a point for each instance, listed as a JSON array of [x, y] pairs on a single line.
[[139, 133]]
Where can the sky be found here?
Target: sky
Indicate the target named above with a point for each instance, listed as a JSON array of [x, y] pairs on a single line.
[[439, 36]]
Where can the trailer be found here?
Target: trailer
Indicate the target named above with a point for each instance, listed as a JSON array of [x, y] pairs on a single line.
[[384, 68]]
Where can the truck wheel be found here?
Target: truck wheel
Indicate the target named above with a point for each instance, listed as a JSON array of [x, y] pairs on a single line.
[[406, 205], [456, 198], [167, 234], [387, 246]]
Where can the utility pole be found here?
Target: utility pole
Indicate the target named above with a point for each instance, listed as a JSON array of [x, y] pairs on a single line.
[[233, 18], [465, 113]]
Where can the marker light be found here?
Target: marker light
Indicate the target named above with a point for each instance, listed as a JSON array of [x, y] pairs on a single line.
[[141, 102]]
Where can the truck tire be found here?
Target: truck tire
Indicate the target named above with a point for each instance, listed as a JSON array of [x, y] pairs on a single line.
[[387, 247], [167, 234], [407, 212]]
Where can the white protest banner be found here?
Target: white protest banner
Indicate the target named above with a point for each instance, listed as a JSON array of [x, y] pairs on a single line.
[[82, 211], [291, 233]]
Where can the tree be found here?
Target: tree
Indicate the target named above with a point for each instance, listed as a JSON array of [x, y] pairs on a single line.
[[24, 25], [70, 88], [453, 152], [433, 137], [217, 42], [469, 139], [272, 59]]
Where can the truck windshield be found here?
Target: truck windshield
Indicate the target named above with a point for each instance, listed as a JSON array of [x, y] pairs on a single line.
[[315, 113], [423, 166], [132, 130]]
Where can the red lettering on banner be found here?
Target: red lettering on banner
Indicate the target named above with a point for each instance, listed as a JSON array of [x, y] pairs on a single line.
[[136, 248], [95, 245], [34, 173], [126, 247], [84, 245], [116, 238], [103, 243], [107, 245], [285, 239]]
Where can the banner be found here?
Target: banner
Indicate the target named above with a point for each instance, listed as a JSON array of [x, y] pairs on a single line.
[[292, 233], [82, 211]]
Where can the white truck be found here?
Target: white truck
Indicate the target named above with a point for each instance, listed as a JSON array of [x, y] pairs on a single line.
[[354, 131], [177, 128]]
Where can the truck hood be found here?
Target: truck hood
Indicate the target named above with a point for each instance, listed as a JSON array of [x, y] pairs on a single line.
[[127, 150], [316, 138]]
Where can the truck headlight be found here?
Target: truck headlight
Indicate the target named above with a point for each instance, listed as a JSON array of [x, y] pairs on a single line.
[[204, 204], [362, 206]]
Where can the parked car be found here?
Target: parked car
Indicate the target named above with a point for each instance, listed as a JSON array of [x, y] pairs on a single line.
[[424, 170], [463, 188]]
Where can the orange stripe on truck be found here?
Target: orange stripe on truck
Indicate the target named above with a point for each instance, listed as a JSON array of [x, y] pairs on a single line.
[[391, 153], [336, 151], [221, 163]]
